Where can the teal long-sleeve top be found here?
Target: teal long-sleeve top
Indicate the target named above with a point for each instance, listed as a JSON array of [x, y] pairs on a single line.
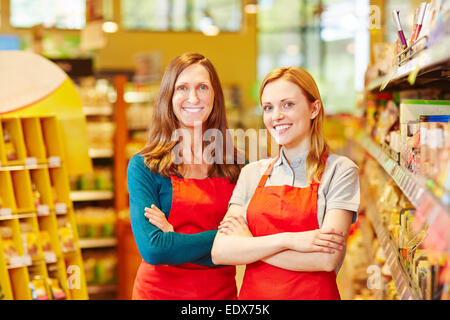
[[155, 246]]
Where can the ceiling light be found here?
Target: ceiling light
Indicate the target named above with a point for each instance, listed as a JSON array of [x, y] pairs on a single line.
[[251, 8], [110, 27], [211, 30]]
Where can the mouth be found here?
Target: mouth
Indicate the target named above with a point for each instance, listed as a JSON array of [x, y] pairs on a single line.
[[282, 128], [193, 110]]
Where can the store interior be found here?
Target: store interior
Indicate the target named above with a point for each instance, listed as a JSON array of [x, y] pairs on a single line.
[[65, 229]]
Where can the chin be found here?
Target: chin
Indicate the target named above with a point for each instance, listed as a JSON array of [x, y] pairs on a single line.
[[192, 123]]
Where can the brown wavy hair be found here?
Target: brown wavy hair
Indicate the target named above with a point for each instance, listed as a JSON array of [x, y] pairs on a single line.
[[158, 149], [315, 162]]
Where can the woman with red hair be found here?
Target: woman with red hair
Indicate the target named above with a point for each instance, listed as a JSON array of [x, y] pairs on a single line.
[[289, 217]]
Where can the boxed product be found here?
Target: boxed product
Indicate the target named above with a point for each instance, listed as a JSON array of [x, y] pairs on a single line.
[[54, 283], [29, 240], [100, 267], [434, 132], [95, 222], [9, 247], [38, 288], [66, 235], [55, 289], [410, 112], [10, 149]]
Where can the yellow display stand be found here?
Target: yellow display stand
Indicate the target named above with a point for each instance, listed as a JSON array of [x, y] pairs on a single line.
[[39, 253], [43, 139]]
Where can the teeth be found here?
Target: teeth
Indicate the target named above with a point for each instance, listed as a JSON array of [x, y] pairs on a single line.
[[192, 110], [278, 128]]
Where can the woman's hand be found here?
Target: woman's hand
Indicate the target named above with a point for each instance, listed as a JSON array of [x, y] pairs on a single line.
[[158, 218], [235, 225], [319, 240]]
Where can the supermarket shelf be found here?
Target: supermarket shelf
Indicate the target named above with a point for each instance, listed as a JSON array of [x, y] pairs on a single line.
[[138, 127], [430, 209], [99, 289], [18, 216], [97, 243], [405, 287], [98, 110], [413, 186], [101, 153], [137, 97], [31, 166], [425, 59], [91, 195]]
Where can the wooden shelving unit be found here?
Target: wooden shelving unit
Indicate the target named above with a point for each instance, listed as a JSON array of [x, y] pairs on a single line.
[[38, 239]]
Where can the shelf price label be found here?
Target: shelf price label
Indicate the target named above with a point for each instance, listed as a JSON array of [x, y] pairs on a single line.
[[54, 162], [50, 257], [5, 211], [43, 210], [31, 162], [60, 208]]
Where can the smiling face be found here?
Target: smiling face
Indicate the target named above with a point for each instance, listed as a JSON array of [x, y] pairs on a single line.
[[193, 96], [287, 113]]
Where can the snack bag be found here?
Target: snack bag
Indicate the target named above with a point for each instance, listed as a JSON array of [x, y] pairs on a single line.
[[38, 290], [67, 240], [56, 290]]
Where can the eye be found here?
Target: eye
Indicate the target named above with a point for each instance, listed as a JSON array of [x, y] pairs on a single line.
[[267, 107], [288, 104], [181, 88], [204, 87]]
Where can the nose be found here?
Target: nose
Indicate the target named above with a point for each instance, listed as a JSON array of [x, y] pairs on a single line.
[[193, 97], [277, 114]]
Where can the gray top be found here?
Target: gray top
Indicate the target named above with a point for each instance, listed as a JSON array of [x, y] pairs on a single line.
[[339, 188]]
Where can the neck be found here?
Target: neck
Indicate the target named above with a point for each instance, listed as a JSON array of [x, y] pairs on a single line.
[[292, 151], [193, 143]]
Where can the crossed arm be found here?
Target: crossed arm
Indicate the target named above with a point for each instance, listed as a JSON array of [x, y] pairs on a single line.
[[315, 250]]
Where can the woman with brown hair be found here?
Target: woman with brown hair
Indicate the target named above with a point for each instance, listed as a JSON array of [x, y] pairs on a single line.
[[289, 216], [183, 200]]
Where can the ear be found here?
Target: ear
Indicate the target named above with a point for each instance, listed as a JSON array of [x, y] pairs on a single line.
[[315, 109]]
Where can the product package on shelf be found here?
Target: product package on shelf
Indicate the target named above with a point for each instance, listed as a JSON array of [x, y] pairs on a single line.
[[96, 222], [38, 284], [100, 134], [403, 134], [95, 94], [55, 283], [100, 179], [29, 240], [10, 250], [396, 216], [427, 44], [101, 267], [66, 235], [394, 251], [424, 130]]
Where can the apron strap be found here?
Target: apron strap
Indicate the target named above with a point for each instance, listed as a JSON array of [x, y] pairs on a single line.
[[266, 174], [268, 171]]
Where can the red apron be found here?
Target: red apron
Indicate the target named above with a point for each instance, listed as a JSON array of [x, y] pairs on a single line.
[[197, 206], [276, 209]]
